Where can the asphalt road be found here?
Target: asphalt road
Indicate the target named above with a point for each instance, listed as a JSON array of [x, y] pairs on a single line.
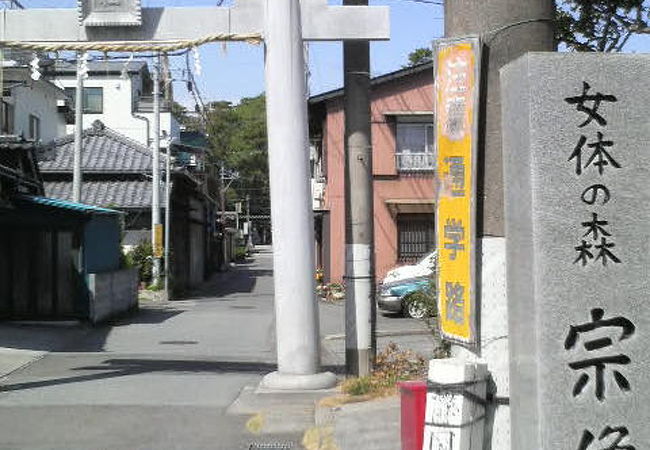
[[164, 377]]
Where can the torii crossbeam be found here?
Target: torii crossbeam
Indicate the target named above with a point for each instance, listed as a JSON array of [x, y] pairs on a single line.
[[283, 25]]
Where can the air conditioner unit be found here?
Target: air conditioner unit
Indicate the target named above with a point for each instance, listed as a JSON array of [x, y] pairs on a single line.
[[62, 105]]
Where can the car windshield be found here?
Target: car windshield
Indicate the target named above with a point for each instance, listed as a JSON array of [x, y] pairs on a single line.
[[426, 259]]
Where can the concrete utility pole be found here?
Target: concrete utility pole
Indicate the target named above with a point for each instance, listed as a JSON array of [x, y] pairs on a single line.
[[155, 188], [360, 306], [508, 29], [249, 236], [78, 130], [168, 215]]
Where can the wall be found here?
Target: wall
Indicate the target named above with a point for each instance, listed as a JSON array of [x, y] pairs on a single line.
[[119, 98], [40, 101], [102, 236], [38, 278], [409, 94], [112, 294]]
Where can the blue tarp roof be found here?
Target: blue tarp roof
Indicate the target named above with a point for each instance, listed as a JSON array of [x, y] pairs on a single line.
[[70, 206]]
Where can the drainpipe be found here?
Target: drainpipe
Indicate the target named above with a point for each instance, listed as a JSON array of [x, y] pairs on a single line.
[[139, 117]]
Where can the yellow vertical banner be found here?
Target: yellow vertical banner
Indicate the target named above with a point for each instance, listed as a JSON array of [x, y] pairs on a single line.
[[457, 81], [158, 241]]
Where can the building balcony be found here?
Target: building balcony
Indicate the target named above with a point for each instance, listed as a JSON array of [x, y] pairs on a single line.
[[415, 162], [145, 105]]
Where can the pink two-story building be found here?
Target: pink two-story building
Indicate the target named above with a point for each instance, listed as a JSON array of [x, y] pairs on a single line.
[[404, 191]]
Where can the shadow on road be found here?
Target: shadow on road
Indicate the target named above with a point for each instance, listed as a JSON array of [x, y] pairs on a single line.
[[122, 367], [241, 279]]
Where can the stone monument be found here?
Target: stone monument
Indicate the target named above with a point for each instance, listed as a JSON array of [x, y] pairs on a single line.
[[577, 176]]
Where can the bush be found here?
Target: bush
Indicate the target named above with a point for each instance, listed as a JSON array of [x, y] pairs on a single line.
[[427, 299], [240, 254], [141, 257]]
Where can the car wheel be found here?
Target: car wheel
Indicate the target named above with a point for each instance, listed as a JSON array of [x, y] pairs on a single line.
[[414, 309]]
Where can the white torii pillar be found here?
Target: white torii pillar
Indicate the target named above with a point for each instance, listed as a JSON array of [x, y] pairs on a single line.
[[285, 25]]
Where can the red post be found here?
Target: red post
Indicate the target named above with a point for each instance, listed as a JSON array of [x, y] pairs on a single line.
[[413, 406]]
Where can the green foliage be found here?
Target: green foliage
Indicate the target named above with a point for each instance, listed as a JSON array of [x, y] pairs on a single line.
[[238, 140], [240, 254], [598, 25], [426, 299], [141, 257], [419, 56]]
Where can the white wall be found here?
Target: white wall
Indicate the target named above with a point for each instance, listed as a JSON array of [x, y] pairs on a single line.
[[38, 100], [119, 98]]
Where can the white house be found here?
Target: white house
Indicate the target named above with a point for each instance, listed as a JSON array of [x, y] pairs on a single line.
[[32, 109], [118, 94]]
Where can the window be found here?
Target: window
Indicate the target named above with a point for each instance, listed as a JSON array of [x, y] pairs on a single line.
[[34, 128], [93, 99], [6, 118], [415, 236], [414, 146]]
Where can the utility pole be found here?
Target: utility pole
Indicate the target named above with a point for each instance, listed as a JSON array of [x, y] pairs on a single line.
[[168, 215], [360, 309], [508, 29], [167, 82], [78, 128], [155, 191], [249, 237], [224, 252]]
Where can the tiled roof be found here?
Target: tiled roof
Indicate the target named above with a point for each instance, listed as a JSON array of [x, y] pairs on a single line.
[[381, 79], [111, 194], [103, 151]]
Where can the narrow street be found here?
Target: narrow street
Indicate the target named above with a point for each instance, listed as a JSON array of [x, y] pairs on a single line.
[[162, 378]]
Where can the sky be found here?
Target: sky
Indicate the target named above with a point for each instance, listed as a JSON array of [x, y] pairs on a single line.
[[235, 70]]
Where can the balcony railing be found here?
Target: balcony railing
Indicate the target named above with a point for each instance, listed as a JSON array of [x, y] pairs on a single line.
[[415, 162], [145, 105]]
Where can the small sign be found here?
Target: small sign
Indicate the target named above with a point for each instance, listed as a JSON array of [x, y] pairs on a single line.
[[158, 246], [457, 73], [110, 13]]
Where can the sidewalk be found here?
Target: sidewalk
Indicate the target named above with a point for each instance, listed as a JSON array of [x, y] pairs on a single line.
[[23, 343], [371, 425]]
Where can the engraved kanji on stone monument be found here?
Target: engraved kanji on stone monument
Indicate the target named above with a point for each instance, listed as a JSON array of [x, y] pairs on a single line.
[[598, 245], [577, 259], [601, 362], [616, 437]]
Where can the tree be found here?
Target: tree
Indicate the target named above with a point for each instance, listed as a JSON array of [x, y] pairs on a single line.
[[599, 25], [419, 56], [238, 140]]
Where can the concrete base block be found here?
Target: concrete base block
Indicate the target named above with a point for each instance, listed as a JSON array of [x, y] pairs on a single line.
[[290, 382], [493, 328], [455, 411]]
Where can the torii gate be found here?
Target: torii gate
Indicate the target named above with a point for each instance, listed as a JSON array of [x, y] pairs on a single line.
[[284, 25]]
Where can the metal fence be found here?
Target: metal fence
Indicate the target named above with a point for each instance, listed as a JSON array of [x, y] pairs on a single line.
[[414, 162]]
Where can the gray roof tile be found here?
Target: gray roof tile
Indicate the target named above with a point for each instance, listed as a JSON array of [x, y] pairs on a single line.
[[104, 151], [113, 194]]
